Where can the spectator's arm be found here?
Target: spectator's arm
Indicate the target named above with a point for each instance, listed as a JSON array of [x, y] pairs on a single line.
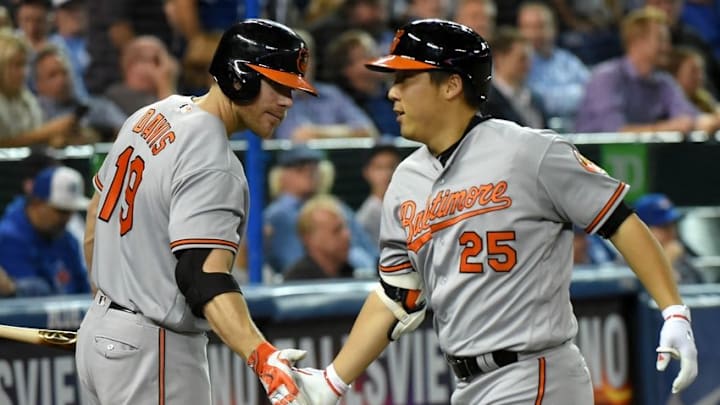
[[55, 133], [187, 18], [18, 264]]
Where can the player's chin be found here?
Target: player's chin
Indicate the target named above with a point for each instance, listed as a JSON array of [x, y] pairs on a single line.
[[265, 130]]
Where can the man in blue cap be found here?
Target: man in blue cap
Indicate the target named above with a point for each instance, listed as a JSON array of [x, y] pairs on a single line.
[[661, 216], [36, 249]]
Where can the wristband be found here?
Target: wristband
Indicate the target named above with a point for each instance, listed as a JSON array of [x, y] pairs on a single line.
[[676, 312], [336, 383]]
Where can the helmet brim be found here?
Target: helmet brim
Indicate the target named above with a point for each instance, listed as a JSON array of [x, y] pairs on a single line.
[[392, 63], [292, 80]]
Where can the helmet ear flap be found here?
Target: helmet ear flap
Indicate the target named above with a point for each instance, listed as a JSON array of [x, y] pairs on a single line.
[[241, 83]]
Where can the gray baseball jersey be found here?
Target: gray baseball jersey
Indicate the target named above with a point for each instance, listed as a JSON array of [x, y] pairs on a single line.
[[170, 182], [490, 235]]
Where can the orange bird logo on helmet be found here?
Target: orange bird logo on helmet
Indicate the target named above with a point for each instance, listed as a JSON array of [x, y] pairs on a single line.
[[396, 40], [302, 60]]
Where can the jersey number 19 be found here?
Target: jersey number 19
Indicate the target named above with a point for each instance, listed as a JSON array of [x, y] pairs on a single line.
[[133, 171]]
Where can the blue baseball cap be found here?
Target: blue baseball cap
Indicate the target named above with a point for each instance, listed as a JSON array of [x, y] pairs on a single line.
[[656, 210], [61, 187], [299, 154]]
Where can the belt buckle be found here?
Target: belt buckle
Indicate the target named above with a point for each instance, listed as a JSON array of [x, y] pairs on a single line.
[[460, 368]]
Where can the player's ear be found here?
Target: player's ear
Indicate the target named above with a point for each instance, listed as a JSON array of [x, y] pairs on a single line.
[[453, 86]]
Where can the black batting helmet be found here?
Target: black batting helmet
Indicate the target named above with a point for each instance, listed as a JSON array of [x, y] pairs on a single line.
[[257, 48], [434, 44]]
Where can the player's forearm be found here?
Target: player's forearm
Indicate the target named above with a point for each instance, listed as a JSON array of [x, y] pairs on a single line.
[[368, 338], [229, 318], [228, 313], [645, 256]]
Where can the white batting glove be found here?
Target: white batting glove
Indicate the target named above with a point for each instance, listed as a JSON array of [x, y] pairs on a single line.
[[320, 387], [272, 366], [677, 341]]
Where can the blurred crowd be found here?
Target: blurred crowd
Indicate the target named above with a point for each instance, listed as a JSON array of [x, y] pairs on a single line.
[[71, 72]]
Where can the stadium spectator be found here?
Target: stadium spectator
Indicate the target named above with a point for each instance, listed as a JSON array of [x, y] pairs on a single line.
[[682, 34], [114, 24], [509, 97], [370, 16], [422, 9], [687, 67], [661, 216], [556, 75], [36, 249], [479, 15], [71, 21], [33, 22], [332, 114], [199, 25], [345, 64], [630, 94], [21, 121], [30, 167], [56, 97], [377, 171], [150, 74], [299, 179], [589, 28], [325, 235]]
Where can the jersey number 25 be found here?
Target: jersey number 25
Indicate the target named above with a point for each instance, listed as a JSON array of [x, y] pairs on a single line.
[[501, 257], [125, 168]]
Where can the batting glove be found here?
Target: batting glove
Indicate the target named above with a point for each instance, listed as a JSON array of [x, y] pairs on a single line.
[[320, 387], [272, 366], [677, 341]]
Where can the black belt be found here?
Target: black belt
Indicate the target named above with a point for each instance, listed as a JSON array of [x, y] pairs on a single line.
[[115, 305], [468, 367]]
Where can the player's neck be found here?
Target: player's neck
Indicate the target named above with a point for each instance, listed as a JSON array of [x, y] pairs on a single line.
[[217, 104], [450, 131]]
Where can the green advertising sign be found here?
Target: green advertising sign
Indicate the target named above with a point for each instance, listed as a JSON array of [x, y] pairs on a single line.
[[627, 162]]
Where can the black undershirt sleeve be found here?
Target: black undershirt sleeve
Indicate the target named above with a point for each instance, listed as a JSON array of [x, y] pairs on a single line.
[[615, 220]]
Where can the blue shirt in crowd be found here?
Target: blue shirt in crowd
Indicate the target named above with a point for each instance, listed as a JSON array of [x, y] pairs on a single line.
[[560, 80], [38, 265], [617, 96], [283, 247], [331, 106]]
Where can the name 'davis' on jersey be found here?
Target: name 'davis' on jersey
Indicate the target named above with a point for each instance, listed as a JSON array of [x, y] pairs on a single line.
[[155, 130]]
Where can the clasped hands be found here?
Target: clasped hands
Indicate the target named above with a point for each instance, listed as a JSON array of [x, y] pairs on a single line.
[[288, 385]]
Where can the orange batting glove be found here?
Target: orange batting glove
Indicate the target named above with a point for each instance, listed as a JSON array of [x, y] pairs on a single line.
[[272, 366]]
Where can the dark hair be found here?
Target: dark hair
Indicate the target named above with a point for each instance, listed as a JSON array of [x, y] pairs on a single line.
[[36, 162], [679, 55], [504, 39], [337, 55], [382, 147]]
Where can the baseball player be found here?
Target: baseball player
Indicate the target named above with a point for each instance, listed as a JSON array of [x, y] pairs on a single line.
[[479, 222], [164, 226]]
